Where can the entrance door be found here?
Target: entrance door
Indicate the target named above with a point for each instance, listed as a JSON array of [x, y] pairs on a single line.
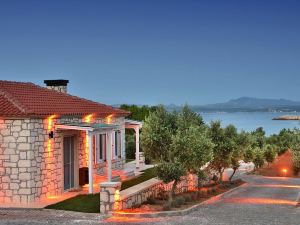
[[68, 163]]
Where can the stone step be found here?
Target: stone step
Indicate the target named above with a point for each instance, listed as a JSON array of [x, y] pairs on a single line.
[[129, 174], [116, 178]]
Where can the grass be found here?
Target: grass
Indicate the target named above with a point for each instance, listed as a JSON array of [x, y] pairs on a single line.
[[147, 175], [91, 203]]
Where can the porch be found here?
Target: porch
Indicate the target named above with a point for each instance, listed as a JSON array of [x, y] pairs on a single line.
[[105, 155]]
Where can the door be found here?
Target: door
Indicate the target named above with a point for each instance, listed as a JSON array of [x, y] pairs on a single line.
[[68, 163]]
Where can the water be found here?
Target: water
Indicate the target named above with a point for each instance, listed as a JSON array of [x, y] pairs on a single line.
[[249, 121]]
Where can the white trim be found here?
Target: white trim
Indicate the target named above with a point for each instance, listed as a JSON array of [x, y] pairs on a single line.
[[91, 161], [69, 127]]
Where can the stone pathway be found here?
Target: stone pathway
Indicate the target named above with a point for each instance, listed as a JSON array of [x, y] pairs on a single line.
[[264, 201]]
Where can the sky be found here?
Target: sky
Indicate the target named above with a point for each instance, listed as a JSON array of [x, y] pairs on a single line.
[[155, 51]]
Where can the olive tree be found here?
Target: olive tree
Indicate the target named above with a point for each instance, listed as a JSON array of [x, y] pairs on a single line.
[[224, 146], [193, 148], [269, 153], [258, 158], [243, 142]]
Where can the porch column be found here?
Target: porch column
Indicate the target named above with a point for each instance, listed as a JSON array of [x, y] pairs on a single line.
[[91, 158], [108, 155], [123, 143], [137, 147]]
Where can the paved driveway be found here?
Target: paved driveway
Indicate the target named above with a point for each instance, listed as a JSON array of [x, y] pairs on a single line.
[[263, 201]]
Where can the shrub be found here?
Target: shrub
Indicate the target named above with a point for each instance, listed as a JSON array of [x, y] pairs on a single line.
[[213, 190], [194, 196], [167, 206], [187, 197], [177, 202], [151, 201]]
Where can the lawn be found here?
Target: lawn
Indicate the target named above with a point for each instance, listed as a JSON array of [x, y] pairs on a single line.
[[91, 203]]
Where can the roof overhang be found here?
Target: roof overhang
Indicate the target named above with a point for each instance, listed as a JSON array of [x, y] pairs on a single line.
[[133, 124], [86, 126]]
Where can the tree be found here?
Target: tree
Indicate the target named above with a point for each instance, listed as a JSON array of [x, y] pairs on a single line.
[[259, 137], [193, 149], [156, 137], [296, 160], [242, 142], [224, 145], [258, 159], [269, 153], [137, 113], [170, 172]]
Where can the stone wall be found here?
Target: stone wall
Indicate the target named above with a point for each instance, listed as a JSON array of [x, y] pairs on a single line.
[[31, 164], [152, 188], [62, 88]]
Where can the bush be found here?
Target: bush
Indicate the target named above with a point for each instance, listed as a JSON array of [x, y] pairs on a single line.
[[213, 190], [167, 206], [194, 196], [180, 200], [151, 201], [187, 197]]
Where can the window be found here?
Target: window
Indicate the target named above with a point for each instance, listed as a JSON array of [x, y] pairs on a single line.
[[117, 144], [101, 148]]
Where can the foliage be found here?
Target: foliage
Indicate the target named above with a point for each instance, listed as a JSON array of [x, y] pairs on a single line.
[[296, 160], [156, 137], [178, 141], [170, 171], [269, 153], [258, 159], [224, 140], [259, 138], [283, 141], [138, 113]]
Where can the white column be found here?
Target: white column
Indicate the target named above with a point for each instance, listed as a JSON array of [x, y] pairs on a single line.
[[123, 143], [137, 147], [108, 155], [91, 158]]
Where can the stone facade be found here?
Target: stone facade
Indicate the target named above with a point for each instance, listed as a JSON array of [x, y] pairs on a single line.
[[31, 163], [61, 88], [109, 195]]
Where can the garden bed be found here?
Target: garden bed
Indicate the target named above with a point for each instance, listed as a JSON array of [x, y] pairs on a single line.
[[90, 203], [184, 200]]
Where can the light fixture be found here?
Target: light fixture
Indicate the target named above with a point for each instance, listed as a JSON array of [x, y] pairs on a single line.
[[51, 134]]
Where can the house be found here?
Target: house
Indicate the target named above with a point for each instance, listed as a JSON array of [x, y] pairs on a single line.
[[52, 142]]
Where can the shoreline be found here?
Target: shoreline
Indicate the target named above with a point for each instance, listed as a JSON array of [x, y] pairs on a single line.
[[287, 117]]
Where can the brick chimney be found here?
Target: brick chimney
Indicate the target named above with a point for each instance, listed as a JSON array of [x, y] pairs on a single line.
[[57, 85]]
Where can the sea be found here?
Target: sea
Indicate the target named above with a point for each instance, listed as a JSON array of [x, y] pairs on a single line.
[[249, 121]]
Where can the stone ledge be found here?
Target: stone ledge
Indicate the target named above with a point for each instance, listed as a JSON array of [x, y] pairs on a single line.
[[138, 188], [174, 213]]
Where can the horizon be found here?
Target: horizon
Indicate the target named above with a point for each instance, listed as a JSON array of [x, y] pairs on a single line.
[[155, 52]]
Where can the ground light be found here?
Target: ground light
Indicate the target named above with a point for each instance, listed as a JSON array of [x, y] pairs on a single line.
[[284, 171]]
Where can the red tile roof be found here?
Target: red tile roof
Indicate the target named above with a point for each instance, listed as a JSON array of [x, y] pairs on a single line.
[[28, 99]]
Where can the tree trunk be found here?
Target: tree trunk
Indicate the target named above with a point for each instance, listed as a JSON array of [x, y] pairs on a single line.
[[221, 171], [234, 170], [172, 192]]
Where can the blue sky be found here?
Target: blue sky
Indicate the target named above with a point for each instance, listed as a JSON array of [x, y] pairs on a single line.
[[155, 51]]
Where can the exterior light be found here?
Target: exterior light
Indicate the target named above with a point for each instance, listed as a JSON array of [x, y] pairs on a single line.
[[51, 134], [88, 118], [109, 119], [284, 170]]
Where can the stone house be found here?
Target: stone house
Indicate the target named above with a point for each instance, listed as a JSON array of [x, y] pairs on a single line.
[[52, 142]]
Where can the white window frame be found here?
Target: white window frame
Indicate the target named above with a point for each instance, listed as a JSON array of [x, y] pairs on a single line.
[[104, 146], [117, 142]]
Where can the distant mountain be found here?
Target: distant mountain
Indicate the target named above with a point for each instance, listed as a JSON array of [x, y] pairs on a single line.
[[248, 104]]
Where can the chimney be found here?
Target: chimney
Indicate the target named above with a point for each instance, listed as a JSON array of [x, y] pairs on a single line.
[[57, 85]]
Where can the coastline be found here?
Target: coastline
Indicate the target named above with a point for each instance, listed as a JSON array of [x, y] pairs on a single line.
[[287, 117]]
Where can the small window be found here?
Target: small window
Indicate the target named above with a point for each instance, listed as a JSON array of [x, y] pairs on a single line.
[[118, 144], [101, 148]]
